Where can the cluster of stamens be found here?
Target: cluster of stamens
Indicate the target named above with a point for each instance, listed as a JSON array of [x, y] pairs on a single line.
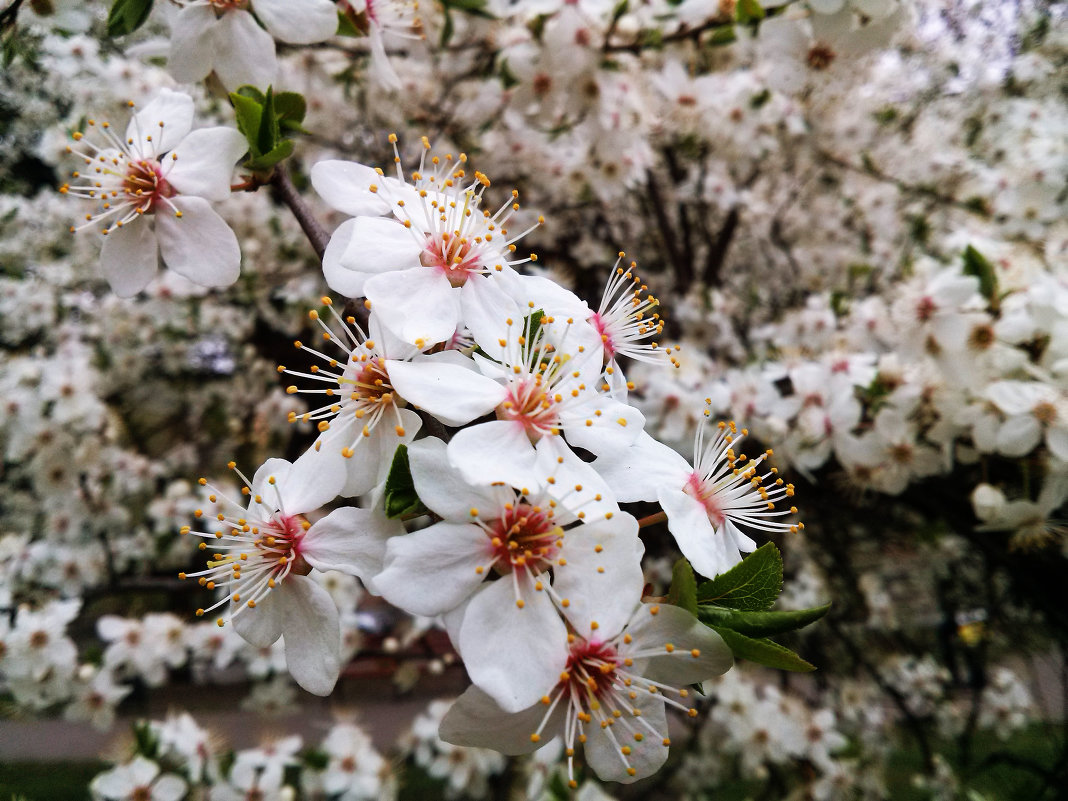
[[251, 555], [359, 382]]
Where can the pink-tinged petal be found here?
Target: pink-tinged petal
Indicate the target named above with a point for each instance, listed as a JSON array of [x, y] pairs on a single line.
[[345, 186], [440, 486], [341, 279], [162, 124], [261, 625], [609, 433], [199, 244], [313, 481], [495, 451], [693, 532], [418, 305], [298, 21], [435, 569], [601, 575], [129, 258], [244, 52], [476, 721], [602, 748], [203, 162], [350, 540], [636, 474], [514, 653], [673, 625], [168, 788], [192, 48], [455, 395], [381, 245], [312, 634]]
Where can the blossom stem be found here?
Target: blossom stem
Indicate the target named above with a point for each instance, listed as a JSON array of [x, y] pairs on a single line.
[[287, 193], [653, 519]]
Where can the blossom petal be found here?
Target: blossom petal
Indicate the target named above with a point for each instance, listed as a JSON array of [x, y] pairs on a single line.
[[129, 258], [199, 244], [513, 641], [455, 395], [298, 21], [693, 532], [262, 625], [345, 186], [495, 451], [312, 482], [168, 788], [640, 470], [603, 746], [312, 634], [418, 305], [687, 635], [476, 720], [379, 245], [203, 162], [192, 47], [244, 52], [162, 124], [440, 486], [340, 279], [350, 540], [433, 570]]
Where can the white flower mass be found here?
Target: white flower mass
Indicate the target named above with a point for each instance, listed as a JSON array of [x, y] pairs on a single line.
[[774, 261]]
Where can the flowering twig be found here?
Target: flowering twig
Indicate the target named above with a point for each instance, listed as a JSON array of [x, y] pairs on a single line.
[[653, 519], [287, 193]]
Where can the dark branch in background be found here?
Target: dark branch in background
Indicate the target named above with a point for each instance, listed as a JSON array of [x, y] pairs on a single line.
[[282, 189], [8, 15], [683, 272]]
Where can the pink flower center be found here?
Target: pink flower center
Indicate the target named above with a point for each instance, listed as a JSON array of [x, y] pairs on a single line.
[[145, 185], [591, 670], [451, 255], [530, 403], [606, 337], [696, 488], [525, 536], [280, 539]]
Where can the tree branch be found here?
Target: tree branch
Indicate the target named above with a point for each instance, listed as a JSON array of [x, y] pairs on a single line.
[[284, 191]]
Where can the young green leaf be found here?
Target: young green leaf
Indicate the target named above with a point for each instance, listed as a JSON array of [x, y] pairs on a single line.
[[268, 135], [763, 652], [248, 112], [759, 624], [401, 499], [266, 161], [751, 585], [975, 263], [126, 16], [683, 590]]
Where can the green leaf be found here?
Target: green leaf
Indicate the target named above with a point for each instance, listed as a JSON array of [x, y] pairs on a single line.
[[759, 624], [724, 35], [400, 496], [290, 106], [763, 652], [748, 11], [346, 25], [975, 263], [751, 585], [266, 161], [251, 92], [683, 590], [268, 135], [248, 112], [126, 16], [447, 28]]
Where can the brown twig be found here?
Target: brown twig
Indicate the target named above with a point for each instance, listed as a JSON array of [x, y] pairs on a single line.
[[285, 192]]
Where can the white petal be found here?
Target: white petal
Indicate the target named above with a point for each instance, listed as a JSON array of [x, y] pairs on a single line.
[[298, 21], [262, 625], [313, 481], [341, 279], [168, 788], [244, 52], [345, 186], [142, 770], [192, 48], [205, 161], [440, 486], [601, 575], [454, 395], [568, 471], [374, 454], [693, 532], [686, 634], [1019, 435], [166, 119], [476, 720], [635, 474], [113, 784], [312, 635], [609, 433], [602, 747], [433, 570], [199, 244], [129, 258], [514, 654], [350, 540], [1057, 440], [495, 451], [381, 244], [486, 306], [418, 305]]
